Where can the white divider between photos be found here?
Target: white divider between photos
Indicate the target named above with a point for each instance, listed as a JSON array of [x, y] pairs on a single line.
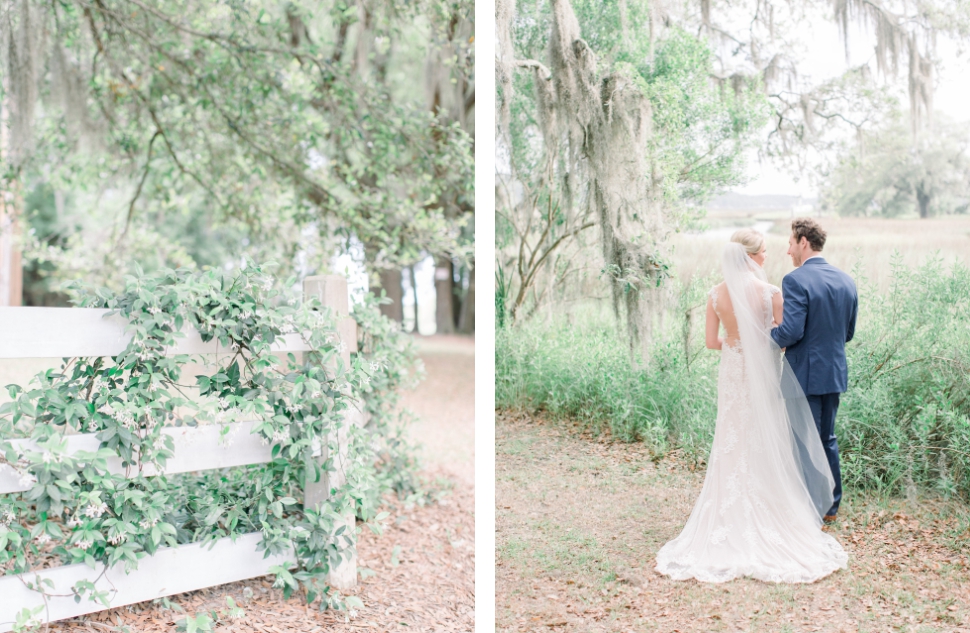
[[71, 332]]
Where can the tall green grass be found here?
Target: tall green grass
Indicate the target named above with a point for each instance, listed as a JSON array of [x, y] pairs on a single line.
[[579, 367], [903, 424]]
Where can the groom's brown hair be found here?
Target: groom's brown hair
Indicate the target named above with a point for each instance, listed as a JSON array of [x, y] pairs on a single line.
[[811, 231]]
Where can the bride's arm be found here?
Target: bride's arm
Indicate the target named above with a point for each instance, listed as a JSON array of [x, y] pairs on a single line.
[[713, 326], [777, 308]]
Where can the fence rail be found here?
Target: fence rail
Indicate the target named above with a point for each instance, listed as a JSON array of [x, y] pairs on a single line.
[[73, 332]]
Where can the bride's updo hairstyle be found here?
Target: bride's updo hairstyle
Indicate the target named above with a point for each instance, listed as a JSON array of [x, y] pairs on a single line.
[[751, 240]]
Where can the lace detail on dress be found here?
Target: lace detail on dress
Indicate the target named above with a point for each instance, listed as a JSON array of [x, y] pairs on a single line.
[[712, 293]]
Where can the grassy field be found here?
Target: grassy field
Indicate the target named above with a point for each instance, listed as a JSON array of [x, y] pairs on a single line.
[[875, 243], [578, 522]]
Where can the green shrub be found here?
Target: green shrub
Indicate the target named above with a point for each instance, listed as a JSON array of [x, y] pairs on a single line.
[[580, 368], [905, 420]]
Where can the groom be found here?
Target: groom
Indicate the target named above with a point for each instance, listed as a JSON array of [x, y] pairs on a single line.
[[819, 319]]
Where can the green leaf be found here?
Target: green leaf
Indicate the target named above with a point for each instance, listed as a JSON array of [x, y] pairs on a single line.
[[214, 515]]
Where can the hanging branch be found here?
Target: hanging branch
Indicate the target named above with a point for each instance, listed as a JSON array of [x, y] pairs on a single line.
[[141, 183]]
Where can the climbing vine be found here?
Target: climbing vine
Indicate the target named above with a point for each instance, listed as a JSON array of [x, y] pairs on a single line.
[[78, 511]]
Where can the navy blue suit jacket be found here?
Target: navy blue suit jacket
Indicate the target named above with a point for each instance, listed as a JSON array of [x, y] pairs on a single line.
[[821, 304]]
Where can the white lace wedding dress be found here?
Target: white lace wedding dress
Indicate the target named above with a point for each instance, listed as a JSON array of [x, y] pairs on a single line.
[[767, 481]]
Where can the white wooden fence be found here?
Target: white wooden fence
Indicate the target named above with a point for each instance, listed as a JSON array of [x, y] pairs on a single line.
[[72, 332]]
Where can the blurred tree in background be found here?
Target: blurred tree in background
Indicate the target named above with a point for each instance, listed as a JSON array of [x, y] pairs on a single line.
[[890, 173], [193, 133]]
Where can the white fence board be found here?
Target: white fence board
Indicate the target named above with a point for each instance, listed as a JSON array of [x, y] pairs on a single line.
[[70, 332], [170, 571], [196, 448]]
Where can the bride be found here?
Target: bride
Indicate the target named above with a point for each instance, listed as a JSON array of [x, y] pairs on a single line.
[[768, 482]]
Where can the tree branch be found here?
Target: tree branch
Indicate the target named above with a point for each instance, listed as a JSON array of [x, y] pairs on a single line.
[[141, 183], [531, 63]]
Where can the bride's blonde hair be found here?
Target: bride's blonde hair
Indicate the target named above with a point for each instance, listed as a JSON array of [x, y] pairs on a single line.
[[751, 240]]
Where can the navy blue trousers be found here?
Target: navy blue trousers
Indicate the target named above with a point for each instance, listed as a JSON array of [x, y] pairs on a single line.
[[824, 408]]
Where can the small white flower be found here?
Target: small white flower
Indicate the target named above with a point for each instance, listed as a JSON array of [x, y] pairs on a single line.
[[125, 418], [73, 523], [84, 545], [118, 540], [27, 479], [95, 511], [280, 436], [46, 457], [224, 403], [374, 366], [154, 310], [147, 523], [152, 387], [43, 539], [315, 395]]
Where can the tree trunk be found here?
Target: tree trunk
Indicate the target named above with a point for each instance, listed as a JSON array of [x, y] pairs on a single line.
[[466, 322], [444, 287], [414, 291], [923, 199], [11, 269], [456, 293], [391, 285]]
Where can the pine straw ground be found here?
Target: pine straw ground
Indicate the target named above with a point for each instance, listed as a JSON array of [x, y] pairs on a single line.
[[579, 521], [423, 580]]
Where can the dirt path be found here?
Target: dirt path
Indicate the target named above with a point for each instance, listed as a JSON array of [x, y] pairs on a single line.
[[420, 573], [578, 523], [445, 405]]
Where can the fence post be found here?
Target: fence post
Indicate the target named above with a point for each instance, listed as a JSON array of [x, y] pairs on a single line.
[[331, 291]]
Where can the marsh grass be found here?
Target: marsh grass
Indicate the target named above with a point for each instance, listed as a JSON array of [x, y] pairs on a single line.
[[875, 243]]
